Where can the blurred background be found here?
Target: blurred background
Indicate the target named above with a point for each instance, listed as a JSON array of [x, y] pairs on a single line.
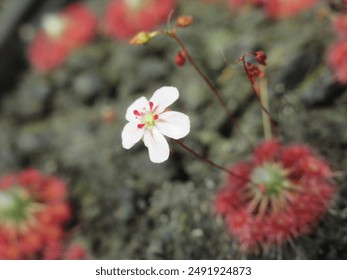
[[64, 117]]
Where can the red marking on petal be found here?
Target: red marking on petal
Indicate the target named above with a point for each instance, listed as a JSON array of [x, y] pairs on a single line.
[[136, 113], [140, 125], [156, 117], [151, 105]]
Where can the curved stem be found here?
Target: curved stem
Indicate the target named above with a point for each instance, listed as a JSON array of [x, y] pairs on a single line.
[[230, 116], [210, 161]]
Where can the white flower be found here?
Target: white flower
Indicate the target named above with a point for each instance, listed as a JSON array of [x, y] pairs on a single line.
[[150, 121]]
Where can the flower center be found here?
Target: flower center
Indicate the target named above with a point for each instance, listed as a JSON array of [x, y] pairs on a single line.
[[150, 119], [271, 178], [16, 206], [270, 189], [54, 25], [135, 4], [147, 118]]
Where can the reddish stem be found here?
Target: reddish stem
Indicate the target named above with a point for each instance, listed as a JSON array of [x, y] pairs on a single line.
[[230, 116], [210, 161], [274, 124]]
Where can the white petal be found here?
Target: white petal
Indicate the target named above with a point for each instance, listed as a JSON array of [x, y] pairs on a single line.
[[131, 134], [139, 104], [164, 97], [173, 124], [157, 145]]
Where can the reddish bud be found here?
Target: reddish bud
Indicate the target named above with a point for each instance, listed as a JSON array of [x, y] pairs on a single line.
[[253, 72], [180, 59], [184, 21], [260, 56]]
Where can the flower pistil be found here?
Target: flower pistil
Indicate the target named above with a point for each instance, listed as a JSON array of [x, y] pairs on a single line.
[[147, 118]]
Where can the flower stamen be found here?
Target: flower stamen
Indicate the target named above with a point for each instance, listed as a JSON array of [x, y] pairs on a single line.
[[136, 113]]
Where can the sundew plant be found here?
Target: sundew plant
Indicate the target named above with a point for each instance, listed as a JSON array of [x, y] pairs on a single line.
[[277, 194]]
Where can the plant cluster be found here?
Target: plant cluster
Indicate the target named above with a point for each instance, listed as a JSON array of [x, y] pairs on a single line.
[[277, 9], [33, 214], [281, 191], [60, 35], [337, 52], [65, 31], [264, 196]]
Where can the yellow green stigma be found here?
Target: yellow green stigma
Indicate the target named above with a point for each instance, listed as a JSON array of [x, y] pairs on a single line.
[[148, 118]]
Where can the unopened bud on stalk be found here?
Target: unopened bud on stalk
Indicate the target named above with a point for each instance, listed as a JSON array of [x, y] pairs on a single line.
[[261, 57], [184, 21], [180, 59], [142, 38]]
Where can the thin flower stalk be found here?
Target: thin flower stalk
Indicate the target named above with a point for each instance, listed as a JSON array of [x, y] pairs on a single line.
[[173, 35], [210, 161]]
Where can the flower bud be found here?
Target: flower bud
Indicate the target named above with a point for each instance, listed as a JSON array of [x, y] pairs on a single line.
[[142, 38], [260, 56], [180, 59], [184, 21]]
